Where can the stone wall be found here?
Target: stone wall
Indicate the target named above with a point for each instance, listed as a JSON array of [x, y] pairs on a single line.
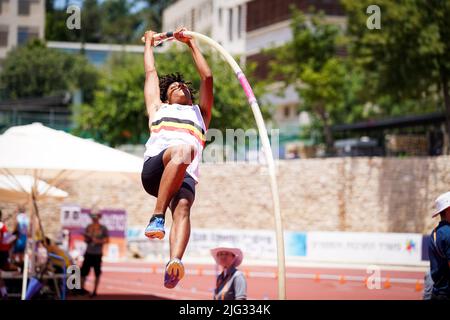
[[336, 194]]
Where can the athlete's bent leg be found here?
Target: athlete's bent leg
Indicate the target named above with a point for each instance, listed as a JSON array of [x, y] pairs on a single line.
[[176, 159], [179, 236]]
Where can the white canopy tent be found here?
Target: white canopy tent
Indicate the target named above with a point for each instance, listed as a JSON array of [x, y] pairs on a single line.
[[35, 146], [55, 153], [18, 188]]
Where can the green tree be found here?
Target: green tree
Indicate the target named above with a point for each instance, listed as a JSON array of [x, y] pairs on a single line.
[[117, 114], [310, 63], [409, 57], [118, 23], [108, 21], [33, 70], [91, 22]]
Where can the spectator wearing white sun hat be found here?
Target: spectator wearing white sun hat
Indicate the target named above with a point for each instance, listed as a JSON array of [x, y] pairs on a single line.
[[231, 283], [439, 250]]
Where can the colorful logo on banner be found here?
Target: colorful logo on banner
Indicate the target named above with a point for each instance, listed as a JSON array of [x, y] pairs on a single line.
[[295, 244], [76, 219], [410, 246]]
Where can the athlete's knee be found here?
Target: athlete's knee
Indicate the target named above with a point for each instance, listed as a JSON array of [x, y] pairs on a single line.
[[183, 208], [183, 154]]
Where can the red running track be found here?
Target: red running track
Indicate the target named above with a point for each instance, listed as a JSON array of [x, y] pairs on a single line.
[[141, 280]]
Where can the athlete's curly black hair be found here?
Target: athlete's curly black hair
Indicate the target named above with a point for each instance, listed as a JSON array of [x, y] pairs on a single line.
[[166, 80]]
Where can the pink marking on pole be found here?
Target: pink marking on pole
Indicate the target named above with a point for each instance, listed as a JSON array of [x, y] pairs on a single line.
[[246, 86]]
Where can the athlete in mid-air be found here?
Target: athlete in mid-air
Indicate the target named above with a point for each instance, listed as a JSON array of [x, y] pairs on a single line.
[[177, 137]]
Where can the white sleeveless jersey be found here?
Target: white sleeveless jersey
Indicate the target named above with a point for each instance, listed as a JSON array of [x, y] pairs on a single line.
[[176, 124]]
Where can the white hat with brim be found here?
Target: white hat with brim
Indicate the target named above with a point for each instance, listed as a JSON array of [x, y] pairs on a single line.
[[239, 256], [442, 202]]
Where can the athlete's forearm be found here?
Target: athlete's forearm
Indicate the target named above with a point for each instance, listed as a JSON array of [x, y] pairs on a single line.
[[200, 62], [149, 59], [151, 85]]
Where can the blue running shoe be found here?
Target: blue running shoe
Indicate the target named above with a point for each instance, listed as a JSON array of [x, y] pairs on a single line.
[[155, 228], [174, 273]]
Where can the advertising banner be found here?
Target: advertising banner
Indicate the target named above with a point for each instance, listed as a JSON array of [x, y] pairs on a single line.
[[390, 248], [76, 219], [342, 247], [255, 244]]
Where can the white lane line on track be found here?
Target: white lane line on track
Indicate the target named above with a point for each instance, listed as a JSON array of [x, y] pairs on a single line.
[[422, 267], [258, 274]]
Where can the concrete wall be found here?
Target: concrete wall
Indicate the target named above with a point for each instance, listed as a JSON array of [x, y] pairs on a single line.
[[337, 194]]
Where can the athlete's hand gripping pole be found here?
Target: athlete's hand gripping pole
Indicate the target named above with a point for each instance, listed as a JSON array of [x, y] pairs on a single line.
[[159, 38]]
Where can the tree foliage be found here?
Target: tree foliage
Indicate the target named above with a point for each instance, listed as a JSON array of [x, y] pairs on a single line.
[[401, 69], [408, 59], [33, 70], [321, 78], [108, 21]]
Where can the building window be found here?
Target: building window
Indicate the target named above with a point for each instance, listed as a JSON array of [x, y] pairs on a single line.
[[220, 16], [26, 33], [230, 23], [3, 36], [3, 6], [239, 21], [24, 7], [192, 19]]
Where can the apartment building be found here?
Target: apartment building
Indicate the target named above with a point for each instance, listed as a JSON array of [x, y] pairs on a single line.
[[222, 20], [20, 20]]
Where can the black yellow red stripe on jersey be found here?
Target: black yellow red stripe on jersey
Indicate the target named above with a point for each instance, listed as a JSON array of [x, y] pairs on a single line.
[[181, 125]]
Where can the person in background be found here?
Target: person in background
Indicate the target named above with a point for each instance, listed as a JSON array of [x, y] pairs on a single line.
[[95, 236], [58, 264], [231, 283], [21, 232], [428, 286], [4, 248], [6, 241], [439, 250], [4, 257]]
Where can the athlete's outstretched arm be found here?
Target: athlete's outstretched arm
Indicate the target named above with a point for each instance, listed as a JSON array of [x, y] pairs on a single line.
[[206, 78], [151, 86]]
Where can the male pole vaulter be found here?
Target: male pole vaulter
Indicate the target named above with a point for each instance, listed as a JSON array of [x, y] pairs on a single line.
[[177, 137]]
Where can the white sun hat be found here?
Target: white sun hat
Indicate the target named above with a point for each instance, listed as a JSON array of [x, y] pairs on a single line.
[[239, 256], [442, 202]]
